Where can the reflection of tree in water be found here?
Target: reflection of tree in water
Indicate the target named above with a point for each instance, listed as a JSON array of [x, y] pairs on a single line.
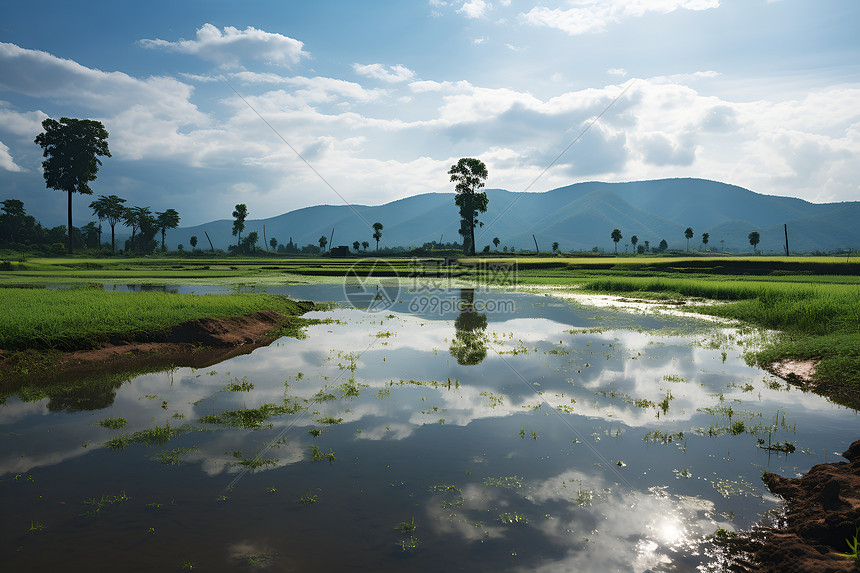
[[469, 344]]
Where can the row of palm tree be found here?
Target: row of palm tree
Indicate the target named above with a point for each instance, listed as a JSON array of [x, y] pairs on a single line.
[[111, 208]]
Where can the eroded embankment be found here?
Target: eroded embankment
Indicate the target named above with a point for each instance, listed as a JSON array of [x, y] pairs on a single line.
[[194, 343], [822, 514]]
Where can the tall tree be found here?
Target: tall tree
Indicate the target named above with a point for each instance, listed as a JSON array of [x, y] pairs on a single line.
[[705, 238], [166, 220], [72, 148], [688, 233], [89, 234], [647, 246], [616, 236], [377, 233], [496, 242], [193, 241], [555, 247], [633, 240], [137, 218], [365, 244], [355, 246], [754, 238], [239, 224], [274, 242], [109, 208], [469, 174], [323, 241]]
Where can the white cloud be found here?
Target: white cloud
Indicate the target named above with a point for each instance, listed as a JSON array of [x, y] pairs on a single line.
[[397, 74], [317, 89], [617, 72], [232, 46], [6, 161], [595, 15], [480, 40], [474, 8]]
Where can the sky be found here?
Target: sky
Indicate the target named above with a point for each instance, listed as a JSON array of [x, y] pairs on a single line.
[[282, 105]]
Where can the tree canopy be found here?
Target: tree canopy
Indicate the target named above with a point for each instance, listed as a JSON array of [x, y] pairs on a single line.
[[239, 223], [167, 220], [754, 238], [616, 236], [72, 148], [469, 175], [377, 233], [109, 208]]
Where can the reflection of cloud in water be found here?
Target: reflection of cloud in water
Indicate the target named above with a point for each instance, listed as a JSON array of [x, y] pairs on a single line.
[[593, 528]]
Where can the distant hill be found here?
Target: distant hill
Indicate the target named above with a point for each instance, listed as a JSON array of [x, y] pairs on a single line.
[[578, 217]]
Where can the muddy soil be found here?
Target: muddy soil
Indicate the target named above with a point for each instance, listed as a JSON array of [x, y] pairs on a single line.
[[822, 512], [195, 343]]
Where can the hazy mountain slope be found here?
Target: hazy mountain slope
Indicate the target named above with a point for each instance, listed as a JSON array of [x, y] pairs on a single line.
[[579, 216]]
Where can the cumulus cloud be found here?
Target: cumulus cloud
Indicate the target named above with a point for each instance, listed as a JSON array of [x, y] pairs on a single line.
[[595, 15], [232, 46], [6, 161], [474, 8], [394, 74]]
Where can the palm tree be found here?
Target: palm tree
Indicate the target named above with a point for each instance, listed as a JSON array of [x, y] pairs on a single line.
[[355, 246], [689, 234], [167, 220], [274, 242], [109, 208], [555, 247], [705, 238], [754, 239], [377, 233], [634, 239], [323, 242], [364, 245], [616, 236], [496, 242], [132, 216], [239, 224]]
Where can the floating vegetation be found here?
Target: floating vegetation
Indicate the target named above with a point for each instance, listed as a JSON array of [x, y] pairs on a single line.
[[495, 399], [239, 385], [512, 517], [684, 473], [308, 498], [252, 418], [674, 378], [785, 447], [317, 455], [330, 421], [660, 437], [444, 487], [738, 427], [350, 389], [157, 435], [663, 405], [733, 488], [558, 352], [315, 432], [427, 383], [259, 559], [408, 543], [36, 527], [509, 482], [171, 457], [323, 396], [113, 423], [406, 527], [97, 504], [255, 463]]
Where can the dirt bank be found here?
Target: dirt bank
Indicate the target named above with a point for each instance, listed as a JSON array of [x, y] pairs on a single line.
[[823, 510], [195, 343]]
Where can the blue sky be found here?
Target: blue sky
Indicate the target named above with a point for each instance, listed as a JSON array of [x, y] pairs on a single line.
[[382, 97]]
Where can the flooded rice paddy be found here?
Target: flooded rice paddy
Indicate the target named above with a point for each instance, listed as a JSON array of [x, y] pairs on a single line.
[[467, 431]]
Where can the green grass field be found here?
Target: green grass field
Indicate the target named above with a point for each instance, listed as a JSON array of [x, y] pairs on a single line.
[[814, 301], [85, 317]]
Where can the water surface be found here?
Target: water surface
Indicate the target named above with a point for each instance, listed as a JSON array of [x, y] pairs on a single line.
[[515, 432]]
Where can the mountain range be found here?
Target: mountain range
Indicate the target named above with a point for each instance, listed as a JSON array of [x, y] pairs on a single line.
[[579, 217]]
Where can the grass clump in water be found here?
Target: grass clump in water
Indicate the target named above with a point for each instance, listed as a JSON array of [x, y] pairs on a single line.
[[113, 423]]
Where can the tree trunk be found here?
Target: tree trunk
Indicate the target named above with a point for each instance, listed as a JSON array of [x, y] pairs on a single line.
[[70, 222], [112, 248]]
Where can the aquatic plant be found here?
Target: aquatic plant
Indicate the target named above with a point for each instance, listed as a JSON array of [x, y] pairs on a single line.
[[854, 546], [98, 503], [113, 423]]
